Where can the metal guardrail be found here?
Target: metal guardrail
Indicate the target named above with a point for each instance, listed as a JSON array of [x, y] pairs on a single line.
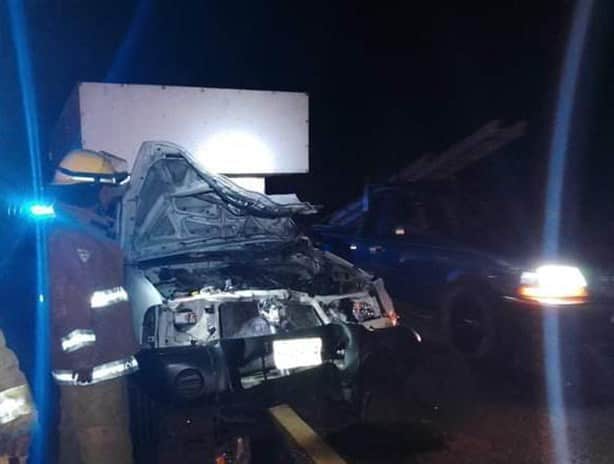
[[306, 445]]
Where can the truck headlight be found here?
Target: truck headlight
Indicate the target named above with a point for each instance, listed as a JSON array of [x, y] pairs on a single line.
[[554, 284]]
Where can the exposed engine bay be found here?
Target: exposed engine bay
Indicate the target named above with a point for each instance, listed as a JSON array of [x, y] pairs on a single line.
[[273, 294], [226, 292]]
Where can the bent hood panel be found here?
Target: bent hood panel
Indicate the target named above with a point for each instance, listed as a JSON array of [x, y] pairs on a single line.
[[174, 206]]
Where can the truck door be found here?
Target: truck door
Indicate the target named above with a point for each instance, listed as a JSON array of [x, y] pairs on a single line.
[[396, 247]]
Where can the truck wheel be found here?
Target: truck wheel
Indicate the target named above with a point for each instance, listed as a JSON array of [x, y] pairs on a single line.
[[469, 323]]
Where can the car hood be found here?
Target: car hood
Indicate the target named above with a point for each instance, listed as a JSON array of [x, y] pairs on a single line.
[[174, 206]]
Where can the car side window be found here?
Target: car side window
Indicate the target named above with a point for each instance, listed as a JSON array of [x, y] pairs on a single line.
[[394, 215], [440, 217]]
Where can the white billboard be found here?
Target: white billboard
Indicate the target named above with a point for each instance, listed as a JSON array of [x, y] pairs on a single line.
[[239, 132]]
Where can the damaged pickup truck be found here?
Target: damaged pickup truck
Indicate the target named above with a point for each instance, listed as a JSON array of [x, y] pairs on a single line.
[[228, 295]]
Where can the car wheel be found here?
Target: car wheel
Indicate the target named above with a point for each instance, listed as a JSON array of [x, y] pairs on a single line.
[[469, 323]]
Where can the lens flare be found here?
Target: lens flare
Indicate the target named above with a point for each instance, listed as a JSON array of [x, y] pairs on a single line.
[[41, 211], [552, 221], [41, 384]]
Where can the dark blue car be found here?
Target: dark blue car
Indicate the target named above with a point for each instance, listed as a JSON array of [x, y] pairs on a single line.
[[488, 307]]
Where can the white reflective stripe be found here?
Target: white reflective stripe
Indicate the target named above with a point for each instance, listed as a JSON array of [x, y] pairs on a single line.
[[114, 369], [77, 339], [108, 297], [63, 377], [125, 181], [107, 371], [81, 178], [14, 403]]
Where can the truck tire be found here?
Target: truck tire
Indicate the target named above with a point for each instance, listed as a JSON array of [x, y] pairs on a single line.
[[470, 321]]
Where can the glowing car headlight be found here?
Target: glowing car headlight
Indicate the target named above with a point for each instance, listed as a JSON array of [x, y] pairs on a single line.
[[554, 284]]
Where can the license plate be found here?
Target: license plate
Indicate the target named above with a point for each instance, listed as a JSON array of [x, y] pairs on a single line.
[[298, 352]]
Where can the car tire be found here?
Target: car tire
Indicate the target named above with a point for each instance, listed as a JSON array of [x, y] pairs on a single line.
[[470, 320]]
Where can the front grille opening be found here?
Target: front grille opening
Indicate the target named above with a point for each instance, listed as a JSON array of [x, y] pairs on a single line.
[[243, 320], [240, 319], [189, 384]]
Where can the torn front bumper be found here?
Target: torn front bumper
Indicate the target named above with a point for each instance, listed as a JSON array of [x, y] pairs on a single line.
[[232, 367]]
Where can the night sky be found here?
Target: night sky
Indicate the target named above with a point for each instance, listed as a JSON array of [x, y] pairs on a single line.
[[386, 82]]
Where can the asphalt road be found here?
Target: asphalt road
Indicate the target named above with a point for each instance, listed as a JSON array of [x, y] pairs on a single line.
[[447, 412]]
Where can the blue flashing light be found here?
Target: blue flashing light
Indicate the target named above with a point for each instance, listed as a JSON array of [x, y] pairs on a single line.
[[41, 211], [41, 384]]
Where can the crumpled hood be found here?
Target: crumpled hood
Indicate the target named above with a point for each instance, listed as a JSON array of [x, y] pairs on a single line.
[[174, 206]]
